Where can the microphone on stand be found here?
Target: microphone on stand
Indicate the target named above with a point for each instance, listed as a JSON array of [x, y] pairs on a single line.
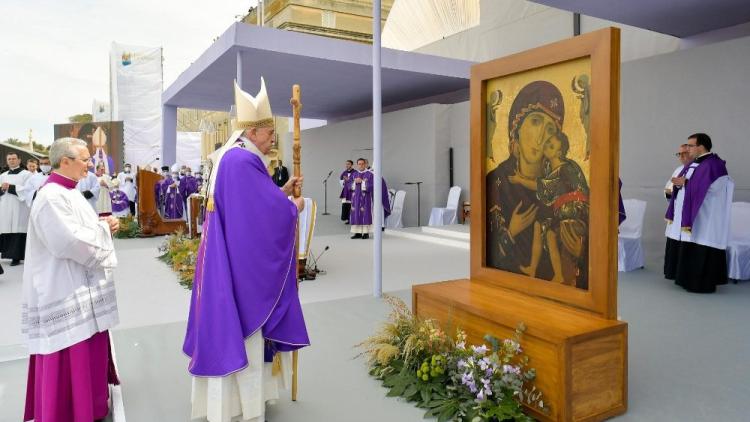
[[315, 261], [325, 194], [148, 166]]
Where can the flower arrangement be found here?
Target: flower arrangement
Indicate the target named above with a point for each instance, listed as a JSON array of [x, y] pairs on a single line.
[[180, 252], [416, 360], [129, 228]]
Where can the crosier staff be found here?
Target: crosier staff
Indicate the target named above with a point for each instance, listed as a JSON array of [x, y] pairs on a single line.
[[296, 193]]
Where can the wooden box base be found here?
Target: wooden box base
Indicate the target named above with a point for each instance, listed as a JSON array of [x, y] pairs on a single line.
[[580, 359]]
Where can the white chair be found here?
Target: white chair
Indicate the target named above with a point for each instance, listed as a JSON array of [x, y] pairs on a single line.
[[738, 248], [307, 227], [447, 215], [630, 254], [394, 221]]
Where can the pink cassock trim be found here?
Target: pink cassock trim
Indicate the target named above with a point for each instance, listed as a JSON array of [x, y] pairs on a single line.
[[70, 385]]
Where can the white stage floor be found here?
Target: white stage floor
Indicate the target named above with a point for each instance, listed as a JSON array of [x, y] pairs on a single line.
[[688, 353]]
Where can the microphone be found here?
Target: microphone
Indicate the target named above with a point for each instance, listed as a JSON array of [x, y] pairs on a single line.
[[315, 260], [148, 166], [329, 175]]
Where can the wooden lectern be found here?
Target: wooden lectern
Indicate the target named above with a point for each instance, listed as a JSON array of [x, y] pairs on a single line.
[[151, 222], [526, 204]]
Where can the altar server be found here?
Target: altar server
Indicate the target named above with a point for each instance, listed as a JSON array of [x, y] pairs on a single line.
[[127, 185], [89, 187], [36, 180], [14, 214], [346, 193], [104, 201]]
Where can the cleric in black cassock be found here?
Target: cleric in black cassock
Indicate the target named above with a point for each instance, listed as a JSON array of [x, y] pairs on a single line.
[[698, 220]]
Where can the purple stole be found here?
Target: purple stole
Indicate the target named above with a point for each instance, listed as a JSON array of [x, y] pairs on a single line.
[[707, 169]]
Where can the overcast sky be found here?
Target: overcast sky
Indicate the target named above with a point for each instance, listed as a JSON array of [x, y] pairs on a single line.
[[54, 53]]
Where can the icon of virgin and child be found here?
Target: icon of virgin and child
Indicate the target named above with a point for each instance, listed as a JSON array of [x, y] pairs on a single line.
[[538, 198]]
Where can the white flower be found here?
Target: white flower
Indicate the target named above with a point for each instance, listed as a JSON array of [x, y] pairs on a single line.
[[479, 350]]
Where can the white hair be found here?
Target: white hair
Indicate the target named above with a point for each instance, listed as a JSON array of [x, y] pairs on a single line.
[[64, 147]]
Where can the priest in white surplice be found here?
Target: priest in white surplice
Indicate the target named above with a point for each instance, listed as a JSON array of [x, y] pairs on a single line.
[[127, 185], [14, 214], [69, 301], [36, 181], [103, 200], [683, 155], [89, 188], [698, 220]]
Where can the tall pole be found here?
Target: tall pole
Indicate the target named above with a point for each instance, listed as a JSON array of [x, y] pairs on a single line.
[[296, 103], [377, 155]]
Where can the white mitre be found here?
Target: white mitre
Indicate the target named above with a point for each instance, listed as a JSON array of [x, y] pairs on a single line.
[[251, 112]]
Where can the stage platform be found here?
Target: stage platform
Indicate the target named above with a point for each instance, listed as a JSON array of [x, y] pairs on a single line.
[[455, 235], [688, 353]]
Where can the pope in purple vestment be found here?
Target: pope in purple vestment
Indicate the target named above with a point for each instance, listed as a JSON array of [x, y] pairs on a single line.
[[245, 275]]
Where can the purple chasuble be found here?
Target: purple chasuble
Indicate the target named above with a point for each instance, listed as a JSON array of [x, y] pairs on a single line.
[[346, 190], [707, 169], [361, 214], [245, 274], [160, 188], [119, 200], [622, 205], [188, 186], [172, 202], [386, 199]]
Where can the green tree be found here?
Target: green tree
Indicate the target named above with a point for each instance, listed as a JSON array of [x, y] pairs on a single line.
[[14, 142], [38, 148], [81, 118]]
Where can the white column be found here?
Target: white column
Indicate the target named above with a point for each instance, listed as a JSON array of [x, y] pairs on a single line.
[[377, 155]]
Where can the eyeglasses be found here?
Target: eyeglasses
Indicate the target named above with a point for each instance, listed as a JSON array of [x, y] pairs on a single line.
[[85, 160], [680, 154], [691, 145]]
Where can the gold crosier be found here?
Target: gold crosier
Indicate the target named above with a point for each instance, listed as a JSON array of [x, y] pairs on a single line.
[[297, 192]]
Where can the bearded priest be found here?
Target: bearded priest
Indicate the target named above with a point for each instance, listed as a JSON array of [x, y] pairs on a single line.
[[245, 314]]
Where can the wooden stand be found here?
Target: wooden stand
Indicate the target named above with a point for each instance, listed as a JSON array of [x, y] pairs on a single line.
[[580, 358], [195, 203], [152, 224]]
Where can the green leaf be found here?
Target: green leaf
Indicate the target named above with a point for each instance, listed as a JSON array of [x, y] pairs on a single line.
[[425, 396], [411, 391], [447, 414]]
